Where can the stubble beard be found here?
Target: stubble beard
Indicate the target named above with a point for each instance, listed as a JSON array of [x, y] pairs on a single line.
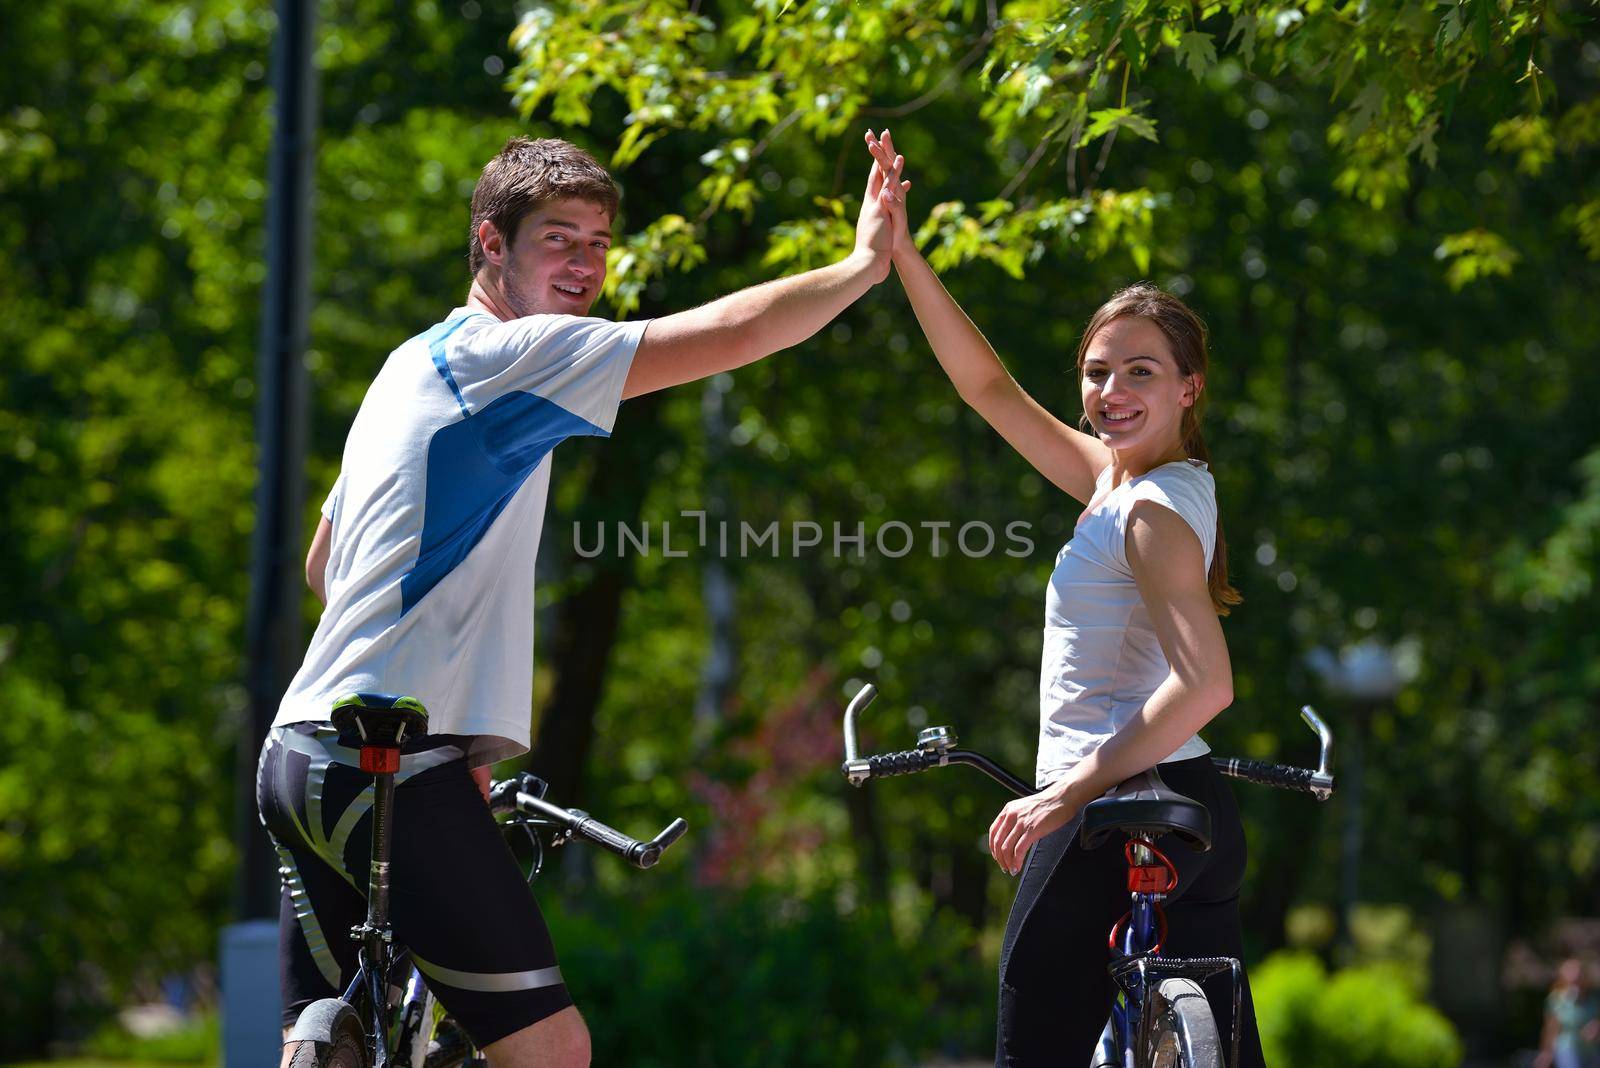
[[511, 290]]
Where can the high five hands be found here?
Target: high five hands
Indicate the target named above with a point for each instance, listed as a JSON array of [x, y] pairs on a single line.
[[882, 223]]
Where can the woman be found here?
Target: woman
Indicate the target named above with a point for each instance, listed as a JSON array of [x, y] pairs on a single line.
[[1571, 1037], [1134, 659]]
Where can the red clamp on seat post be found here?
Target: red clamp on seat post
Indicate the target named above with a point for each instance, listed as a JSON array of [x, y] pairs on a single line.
[[380, 759], [1158, 878], [1149, 880]]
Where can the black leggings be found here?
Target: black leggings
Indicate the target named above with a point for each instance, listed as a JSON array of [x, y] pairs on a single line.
[[1055, 992]]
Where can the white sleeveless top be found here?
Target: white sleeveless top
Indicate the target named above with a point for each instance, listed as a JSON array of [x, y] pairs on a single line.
[[1101, 657]]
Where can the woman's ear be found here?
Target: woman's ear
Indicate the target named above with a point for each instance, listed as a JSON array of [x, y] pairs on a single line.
[[1193, 384]]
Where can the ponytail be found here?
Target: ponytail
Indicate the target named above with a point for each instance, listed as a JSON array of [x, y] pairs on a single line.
[[1223, 594]]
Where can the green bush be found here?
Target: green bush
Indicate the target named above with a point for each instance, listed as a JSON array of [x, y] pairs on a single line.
[[198, 1041], [1368, 1015], [753, 977]]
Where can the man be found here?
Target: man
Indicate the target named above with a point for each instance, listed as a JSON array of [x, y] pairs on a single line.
[[424, 559]]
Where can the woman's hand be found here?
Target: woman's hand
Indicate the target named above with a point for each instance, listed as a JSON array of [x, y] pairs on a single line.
[[875, 226], [1026, 820], [892, 194]]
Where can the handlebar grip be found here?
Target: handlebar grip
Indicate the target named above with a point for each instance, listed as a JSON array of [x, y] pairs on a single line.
[[1280, 775], [607, 838], [906, 762]]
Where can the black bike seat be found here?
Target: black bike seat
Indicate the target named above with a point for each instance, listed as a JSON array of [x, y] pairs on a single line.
[[1144, 804], [378, 719]]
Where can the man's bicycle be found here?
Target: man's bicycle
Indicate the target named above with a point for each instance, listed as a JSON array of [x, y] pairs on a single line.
[[1159, 1018], [363, 1029]]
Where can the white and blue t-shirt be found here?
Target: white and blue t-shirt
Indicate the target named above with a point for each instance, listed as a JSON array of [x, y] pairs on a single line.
[[436, 517]]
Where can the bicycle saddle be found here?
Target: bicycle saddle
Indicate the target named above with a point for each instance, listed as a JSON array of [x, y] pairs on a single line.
[[378, 719], [1145, 804]]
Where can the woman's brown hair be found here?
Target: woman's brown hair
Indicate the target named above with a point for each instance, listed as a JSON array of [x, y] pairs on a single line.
[[1187, 337]]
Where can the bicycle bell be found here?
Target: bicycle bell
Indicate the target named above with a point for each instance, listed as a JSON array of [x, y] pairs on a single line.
[[936, 739]]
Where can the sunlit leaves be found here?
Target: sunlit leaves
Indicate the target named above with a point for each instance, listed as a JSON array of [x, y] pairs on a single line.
[[1105, 120], [1585, 218], [1529, 138], [667, 243], [803, 244], [1197, 53], [1474, 254]]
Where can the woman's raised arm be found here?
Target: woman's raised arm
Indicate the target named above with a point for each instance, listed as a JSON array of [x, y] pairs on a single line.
[[1069, 458]]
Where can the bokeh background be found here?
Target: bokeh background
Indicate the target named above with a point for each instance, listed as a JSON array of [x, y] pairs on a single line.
[[1389, 217]]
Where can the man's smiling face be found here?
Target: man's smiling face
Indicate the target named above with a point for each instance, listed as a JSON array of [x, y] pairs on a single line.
[[557, 263]]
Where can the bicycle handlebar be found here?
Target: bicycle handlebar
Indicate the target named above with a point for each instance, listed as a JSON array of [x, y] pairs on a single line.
[[936, 748], [507, 796]]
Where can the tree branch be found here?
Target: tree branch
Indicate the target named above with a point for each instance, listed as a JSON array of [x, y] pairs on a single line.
[[1033, 161], [900, 111]]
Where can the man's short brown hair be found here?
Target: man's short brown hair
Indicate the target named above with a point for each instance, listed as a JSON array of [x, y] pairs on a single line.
[[528, 173]]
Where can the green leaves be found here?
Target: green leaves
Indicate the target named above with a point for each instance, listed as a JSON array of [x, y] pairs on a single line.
[[1196, 53], [667, 243], [1529, 138], [1105, 120], [1474, 254]]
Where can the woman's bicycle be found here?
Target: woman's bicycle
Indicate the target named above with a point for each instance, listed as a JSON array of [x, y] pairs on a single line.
[[363, 1029], [1159, 1018]]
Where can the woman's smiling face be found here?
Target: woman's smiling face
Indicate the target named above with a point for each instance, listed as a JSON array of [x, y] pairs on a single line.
[[1133, 392]]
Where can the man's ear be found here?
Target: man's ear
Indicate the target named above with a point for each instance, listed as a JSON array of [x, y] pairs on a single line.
[[1194, 384], [494, 246]]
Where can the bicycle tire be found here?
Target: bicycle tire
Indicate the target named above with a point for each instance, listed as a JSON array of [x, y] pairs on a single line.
[[1183, 1033], [345, 1045]]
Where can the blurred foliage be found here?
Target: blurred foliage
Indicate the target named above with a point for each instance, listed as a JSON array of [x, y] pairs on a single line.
[[198, 1040], [1386, 214], [1369, 1014], [680, 974]]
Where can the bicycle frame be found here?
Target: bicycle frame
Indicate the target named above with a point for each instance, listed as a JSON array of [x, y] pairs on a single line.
[[1137, 965], [402, 1042]]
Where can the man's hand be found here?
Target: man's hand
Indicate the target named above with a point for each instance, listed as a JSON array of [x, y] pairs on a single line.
[[875, 227], [756, 322], [891, 195]]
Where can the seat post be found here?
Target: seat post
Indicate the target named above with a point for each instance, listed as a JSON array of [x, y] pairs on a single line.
[[383, 761], [378, 725], [378, 874]]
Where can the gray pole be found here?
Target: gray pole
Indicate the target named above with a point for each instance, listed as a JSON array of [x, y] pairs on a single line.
[[251, 1002], [276, 584]]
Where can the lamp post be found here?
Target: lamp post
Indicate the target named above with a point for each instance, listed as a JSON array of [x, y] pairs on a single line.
[[1365, 676], [250, 1011]]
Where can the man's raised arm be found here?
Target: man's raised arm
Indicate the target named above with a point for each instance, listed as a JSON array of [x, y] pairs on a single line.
[[745, 326]]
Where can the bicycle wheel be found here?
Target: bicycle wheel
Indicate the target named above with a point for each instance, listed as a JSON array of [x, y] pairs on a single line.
[[1183, 1033], [329, 1035]]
